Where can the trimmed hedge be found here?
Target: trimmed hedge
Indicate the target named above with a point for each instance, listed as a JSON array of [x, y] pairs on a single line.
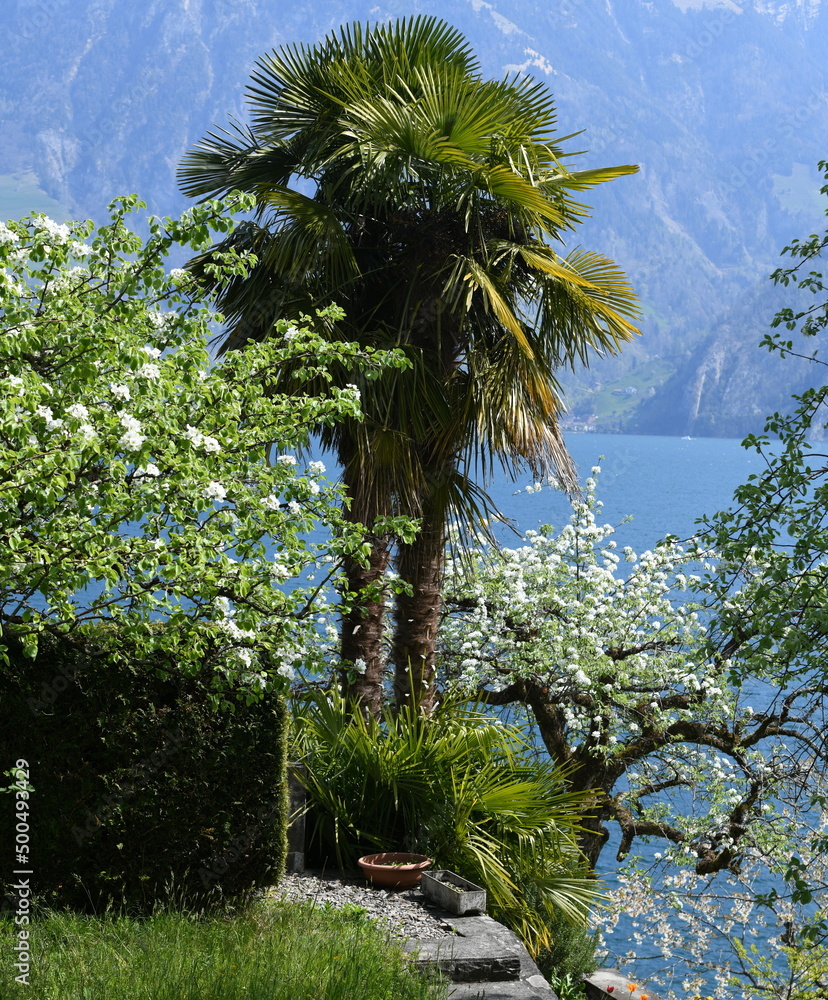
[[144, 791]]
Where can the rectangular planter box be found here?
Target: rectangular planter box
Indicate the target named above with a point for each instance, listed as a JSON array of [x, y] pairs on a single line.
[[453, 892]]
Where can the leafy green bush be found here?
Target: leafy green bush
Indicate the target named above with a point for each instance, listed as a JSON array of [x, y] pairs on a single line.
[[141, 785], [570, 953], [459, 786]]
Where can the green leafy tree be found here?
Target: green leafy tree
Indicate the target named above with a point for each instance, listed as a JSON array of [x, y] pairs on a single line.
[[430, 203], [140, 481], [774, 539]]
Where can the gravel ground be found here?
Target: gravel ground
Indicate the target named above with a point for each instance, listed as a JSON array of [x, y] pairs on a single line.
[[406, 914]]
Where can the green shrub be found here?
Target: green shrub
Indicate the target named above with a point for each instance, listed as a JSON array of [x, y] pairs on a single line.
[[570, 953], [142, 785], [459, 786]]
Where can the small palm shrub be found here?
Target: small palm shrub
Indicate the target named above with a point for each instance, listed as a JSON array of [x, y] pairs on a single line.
[[459, 786]]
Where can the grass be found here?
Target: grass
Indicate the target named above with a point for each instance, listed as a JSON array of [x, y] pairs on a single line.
[[277, 951]]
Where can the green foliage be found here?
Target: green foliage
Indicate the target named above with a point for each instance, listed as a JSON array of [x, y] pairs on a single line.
[[142, 786], [460, 787], [802, 973], [138, 478], [568, 987], [268, 952], [435, 207], [570, 954], [774, 539]]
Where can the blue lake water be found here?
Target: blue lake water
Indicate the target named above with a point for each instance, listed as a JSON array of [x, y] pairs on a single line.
[[662, 484]]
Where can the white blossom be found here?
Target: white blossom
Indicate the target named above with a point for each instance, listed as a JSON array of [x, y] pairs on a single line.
[[214, 491], [150, 371], [57, 230], [150, 469], [194, 435], [132, 438], [52, 423]]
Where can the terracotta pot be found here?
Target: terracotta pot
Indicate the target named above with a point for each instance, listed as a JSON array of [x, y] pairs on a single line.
[[394, 870]]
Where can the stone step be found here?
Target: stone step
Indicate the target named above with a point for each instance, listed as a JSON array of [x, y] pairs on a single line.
[[484, 959], [519, 989]]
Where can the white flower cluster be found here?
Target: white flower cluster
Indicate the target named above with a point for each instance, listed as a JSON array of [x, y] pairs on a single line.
[[149, 370], [239, 656], [52, 423], [57, 230], [132, 439], [214, 491], [197, 439], [120, 391]]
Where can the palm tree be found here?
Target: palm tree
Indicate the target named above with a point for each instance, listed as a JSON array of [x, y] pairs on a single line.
[[431, 204]]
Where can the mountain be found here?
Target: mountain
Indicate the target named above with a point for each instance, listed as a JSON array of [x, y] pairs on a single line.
[[722, 104]]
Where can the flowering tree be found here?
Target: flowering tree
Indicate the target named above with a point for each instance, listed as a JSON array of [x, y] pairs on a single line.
[[626, 691], [725, 935], [138, 480], [634, 696]]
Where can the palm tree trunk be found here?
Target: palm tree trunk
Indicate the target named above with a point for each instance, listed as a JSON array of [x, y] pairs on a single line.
[[362, 675], [419, 564]]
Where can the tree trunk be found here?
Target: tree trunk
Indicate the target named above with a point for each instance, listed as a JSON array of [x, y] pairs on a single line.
[[361, 646], [420, 564], [585, 774], [362, 675]]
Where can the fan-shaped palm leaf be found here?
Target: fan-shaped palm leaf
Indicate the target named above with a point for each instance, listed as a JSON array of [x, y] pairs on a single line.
[[428, 202]]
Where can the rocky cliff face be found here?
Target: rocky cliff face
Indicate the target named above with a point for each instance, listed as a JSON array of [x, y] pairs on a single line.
[[722, 103], [729, 384]]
